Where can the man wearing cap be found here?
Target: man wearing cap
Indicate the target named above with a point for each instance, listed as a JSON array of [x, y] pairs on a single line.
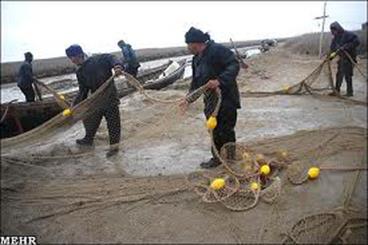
[[92, 72], [25, 78], [343, 41], [130, 61], [215, 66]]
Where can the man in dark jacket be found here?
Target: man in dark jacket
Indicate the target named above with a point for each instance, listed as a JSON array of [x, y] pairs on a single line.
[[130, 61], [25, 78], [343, 41], [215, 66], [92, 72]]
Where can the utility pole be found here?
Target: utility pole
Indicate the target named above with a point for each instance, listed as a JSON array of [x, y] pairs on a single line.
[[323, 27]]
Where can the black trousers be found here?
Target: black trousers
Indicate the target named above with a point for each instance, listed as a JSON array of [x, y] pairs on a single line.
[[224, 131], [112, 116], [344, 70], [28, 93]]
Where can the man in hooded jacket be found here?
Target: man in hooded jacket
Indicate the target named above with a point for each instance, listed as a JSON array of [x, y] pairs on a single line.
[[344, 41]]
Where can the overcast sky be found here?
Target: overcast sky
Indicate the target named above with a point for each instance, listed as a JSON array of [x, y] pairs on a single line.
[[47, 28]]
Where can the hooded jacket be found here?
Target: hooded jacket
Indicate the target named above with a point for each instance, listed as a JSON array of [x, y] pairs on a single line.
[[129, 57], [344, 39]]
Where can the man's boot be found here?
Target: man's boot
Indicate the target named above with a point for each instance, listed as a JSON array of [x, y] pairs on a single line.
[[339, 77], [112, 151], [349, 86], [84, 142], [212, 163]]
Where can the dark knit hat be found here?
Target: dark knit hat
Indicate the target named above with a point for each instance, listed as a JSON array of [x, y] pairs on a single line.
[[195, 35], [74, 50]]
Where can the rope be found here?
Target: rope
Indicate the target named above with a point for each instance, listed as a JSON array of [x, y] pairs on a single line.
[[62, 103], [306, 83], [135, 83], [339, 168], [355, 64], [336, 92], [352, 187]]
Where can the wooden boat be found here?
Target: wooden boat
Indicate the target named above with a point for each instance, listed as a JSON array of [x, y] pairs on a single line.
[[20, 117]]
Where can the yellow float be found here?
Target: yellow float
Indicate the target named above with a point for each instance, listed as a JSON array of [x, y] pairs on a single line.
[[254, 186], [67, 112], [218, 184], [313, 172], [211, 122], [265, 169]]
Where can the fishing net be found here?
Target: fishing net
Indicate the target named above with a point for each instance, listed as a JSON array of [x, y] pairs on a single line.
[[332, 226], [201, 183], [319, 83], [60, 122], [327, 228], [245, 181], [271, 193], [242, 200], [353, 232], [297, 172], [90, 112], [316, 228]]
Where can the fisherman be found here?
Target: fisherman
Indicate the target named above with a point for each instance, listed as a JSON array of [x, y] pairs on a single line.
[[343, 41], [92, 72], [25, 78], [215, 66], [130, 61]]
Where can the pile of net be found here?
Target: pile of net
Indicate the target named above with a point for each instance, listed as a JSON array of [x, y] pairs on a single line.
[[327, 228]]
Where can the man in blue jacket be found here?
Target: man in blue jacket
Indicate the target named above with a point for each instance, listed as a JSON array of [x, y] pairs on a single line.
[[215, 66], [130, 61], [92, 72], [343, 41]]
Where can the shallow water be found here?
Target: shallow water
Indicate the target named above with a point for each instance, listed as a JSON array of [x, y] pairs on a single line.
[[11, 92]]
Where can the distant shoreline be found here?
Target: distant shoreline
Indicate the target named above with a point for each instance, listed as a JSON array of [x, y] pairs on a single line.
[[61, 65]]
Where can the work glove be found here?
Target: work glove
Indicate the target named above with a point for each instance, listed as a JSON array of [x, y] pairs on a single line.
[[332, 55]]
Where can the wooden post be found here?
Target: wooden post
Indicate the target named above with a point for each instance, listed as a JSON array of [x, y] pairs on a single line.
[[323, 28]]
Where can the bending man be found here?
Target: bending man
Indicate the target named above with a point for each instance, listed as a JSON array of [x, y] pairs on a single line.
[[344, 41]]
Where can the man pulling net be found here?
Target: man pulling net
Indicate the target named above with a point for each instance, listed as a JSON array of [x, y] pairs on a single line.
[[215, 66], [92, 72]]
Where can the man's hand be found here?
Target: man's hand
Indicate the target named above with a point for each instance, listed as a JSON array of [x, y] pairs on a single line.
[[212, 84], [118, 69], [183, 105]]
